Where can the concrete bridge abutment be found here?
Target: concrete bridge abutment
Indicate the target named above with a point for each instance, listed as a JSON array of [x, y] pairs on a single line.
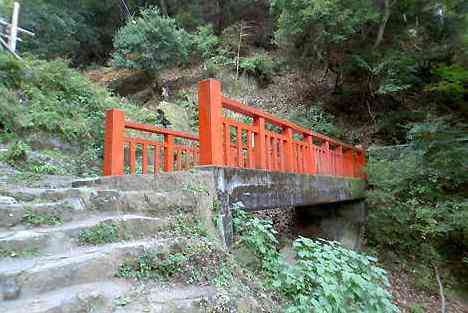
[[329, 207], [326, 206]]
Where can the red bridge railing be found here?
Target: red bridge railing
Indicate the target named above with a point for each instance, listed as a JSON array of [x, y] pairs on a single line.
[[123, 153], [231, 134]]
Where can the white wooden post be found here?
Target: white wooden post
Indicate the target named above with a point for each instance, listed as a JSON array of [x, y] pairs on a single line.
[[14, 27]]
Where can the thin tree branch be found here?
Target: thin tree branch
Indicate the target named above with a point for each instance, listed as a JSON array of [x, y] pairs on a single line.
[[441, 291]]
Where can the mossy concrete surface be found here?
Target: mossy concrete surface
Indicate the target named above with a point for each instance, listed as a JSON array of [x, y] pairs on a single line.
[[219, 190]]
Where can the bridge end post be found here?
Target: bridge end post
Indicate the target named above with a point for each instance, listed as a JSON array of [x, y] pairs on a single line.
[[210, 129], [113, 164]]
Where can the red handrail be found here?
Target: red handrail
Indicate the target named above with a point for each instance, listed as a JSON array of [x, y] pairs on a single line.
[[225, 141], [165, 154]]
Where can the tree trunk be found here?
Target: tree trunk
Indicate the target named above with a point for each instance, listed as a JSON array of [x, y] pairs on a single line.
[[221, 16], [383, 24], [163, 6]]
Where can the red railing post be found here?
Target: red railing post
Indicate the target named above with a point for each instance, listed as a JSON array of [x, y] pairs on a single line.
[[114, 143], [260, 143], [360, 161], [288, 150], [339, 161], [348, 162], [310, 155], [210, 119], [168, 153]]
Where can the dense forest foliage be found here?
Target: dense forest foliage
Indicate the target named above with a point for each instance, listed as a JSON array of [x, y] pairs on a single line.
[[397, 68]]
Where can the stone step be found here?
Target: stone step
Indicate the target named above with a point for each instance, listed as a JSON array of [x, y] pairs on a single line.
[[23, 278], [67, 204], [65, 237], [15, 213], [75, 299], [162, 182], [159, 299], [26, 194]]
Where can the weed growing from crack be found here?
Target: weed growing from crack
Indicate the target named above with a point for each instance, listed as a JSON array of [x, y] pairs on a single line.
[[17, 253], [184, 225], [190, 262], [100, 234], [39, 218]]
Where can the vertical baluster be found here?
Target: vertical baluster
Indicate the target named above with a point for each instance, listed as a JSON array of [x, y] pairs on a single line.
[[273, 154], [293, 158], [309, 155], [301, 153], [179, 159], [168, 153], [320, 165], [186, 162], [227, 144], [339, 151], [132, 158], [347, 162], [281, 155], [278, 154], [260, 142], [327, 158], [156, 160], [250, 152], [288, 150], [268, 152], [240, 154], [144, 161], [298, 158]]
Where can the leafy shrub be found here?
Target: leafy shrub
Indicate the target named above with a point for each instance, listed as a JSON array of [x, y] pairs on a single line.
[[206, 42], [417, 194], [452, 82], [17, 152], [326, 277], [150, 42], [42, 97], [10, 69], [13, 115], [260, 237], [330, 278], [388, 74], [314, 117], [261, 66], [313, 28]]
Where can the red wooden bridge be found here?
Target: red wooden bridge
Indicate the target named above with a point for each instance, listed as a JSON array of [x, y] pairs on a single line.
[[231, 134]]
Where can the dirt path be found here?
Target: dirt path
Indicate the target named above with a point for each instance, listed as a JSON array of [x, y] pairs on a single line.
[[409, 298]]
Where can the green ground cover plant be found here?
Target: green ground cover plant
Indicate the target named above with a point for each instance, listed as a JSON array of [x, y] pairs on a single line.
[[325, 277]]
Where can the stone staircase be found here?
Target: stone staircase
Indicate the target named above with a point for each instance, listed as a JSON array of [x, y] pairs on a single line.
[[46, 264]]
